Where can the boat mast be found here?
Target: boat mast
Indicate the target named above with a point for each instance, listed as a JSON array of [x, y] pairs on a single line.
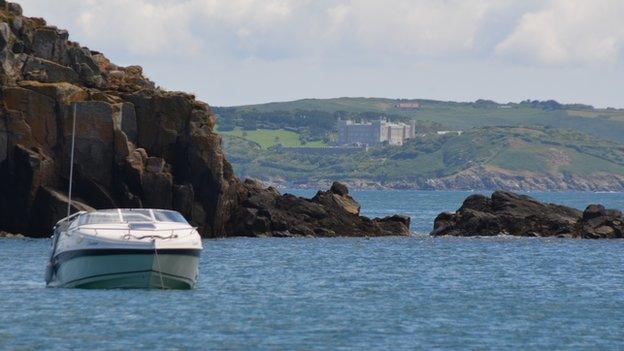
[[71, 162]]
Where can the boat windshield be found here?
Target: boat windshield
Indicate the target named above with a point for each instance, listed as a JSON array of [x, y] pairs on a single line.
[[130, 216]]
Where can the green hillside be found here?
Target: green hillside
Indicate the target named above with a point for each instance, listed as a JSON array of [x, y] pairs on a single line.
[[315, 119], [575, 145], [525, 151]]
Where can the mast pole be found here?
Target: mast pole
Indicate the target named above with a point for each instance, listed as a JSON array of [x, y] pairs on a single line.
[[71, 162]]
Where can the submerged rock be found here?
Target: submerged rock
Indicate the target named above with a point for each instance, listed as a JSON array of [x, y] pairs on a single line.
[[506, 213], [136, 145]]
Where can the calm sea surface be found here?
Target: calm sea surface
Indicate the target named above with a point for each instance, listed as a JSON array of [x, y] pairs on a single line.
[[343, 294]]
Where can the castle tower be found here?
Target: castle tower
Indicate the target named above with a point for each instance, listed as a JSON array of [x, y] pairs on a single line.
[[343, 137], [377, 132]]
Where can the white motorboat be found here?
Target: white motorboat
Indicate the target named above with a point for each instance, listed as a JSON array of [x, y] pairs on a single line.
[[124, 248]]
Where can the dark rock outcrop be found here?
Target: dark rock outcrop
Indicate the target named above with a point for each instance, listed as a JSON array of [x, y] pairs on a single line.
[[598, 223], [136, 145], [506, 213], [328, 213]]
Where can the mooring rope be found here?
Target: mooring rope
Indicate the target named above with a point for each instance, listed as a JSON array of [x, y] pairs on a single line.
[[162, 284]]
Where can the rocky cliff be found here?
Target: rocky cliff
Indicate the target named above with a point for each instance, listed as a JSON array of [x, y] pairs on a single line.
[[520, 215], [136, 145]]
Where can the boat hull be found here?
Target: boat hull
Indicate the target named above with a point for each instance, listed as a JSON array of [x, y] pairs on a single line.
[[126, 269]]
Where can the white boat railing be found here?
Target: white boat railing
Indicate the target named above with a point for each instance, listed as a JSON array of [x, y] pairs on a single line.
[[71, 216], [128, 234]]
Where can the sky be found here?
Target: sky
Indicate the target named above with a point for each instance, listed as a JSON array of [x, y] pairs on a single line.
[[234, 52]]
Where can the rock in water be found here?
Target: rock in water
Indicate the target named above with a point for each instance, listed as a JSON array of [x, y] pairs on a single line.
[[136, 145], [600, 223], [328, 213], [520, 215]]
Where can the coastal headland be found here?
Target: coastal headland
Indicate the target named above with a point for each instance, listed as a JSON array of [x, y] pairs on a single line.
[[136, 145]]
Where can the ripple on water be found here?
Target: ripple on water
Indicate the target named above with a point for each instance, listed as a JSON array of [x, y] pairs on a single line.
[[381, 293]]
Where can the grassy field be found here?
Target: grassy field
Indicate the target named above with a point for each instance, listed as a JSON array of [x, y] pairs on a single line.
[[267, 138]]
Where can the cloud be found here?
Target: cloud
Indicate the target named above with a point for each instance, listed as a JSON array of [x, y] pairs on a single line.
[[276, 28], [143, 28], [568, 32], [414, 28], [547, 32], [240, 51]]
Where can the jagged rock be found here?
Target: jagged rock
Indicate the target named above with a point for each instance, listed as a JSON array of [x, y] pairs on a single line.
[[160, 117], [157, 184], [507, 213], [128, 122], [520, 215], [94, 142], [155, 164], [51, 44], [122, 146], [200, 162], [339, 189], [397, 220], [31, 170], [11, 67], [600, 223], [38, 111], [132, 170], [183, 196], [198, 217], [340, 196], [45, 71], [126, 198], [14, 8], [18, 131], [83, 63], [64, 93], [16, 23], [267, 212]]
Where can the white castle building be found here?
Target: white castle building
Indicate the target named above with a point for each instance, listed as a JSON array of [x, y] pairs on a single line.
[[376, 132]]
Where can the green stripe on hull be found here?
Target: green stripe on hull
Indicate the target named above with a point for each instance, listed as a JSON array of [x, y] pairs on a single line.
[[140, 271], [141, 280]]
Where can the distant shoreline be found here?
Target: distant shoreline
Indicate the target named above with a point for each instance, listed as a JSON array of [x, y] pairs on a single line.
[[361, 185]]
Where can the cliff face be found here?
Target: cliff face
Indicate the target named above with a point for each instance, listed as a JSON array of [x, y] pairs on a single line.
[[136, 145]]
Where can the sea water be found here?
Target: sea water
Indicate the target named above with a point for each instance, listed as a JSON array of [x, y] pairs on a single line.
[[343, 293]]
